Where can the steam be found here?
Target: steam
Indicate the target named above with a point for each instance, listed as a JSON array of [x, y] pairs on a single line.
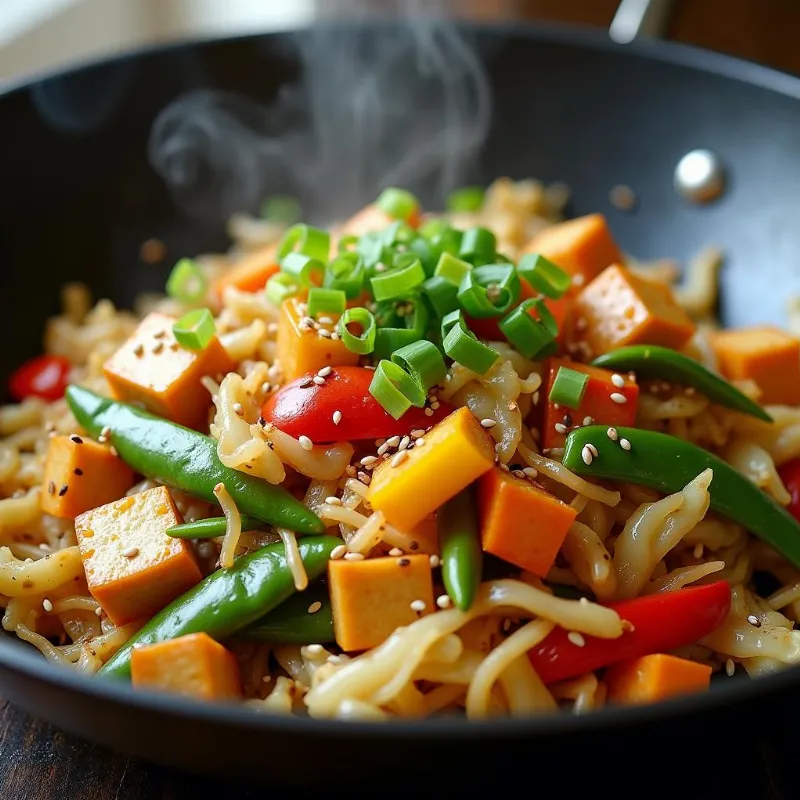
[[405, 104]]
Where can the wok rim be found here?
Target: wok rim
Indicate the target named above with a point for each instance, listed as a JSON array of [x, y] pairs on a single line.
[[30, 665]]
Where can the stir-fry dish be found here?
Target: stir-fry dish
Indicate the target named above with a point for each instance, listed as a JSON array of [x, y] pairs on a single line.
[[478, 462]]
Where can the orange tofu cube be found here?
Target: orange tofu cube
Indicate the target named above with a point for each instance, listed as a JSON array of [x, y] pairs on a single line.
[[302, 349], [766, 355], [250, 273], [371, 598], [457, 452], [133, 568], [153, 369], [193, 665], [653, 678], [620, 308], [521, 522], [80, 474], [583, 247]]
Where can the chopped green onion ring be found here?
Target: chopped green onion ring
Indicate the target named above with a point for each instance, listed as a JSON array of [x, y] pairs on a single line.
[[195, 329], [466, 199], [398, 282], [462, 346], [423, 362], [478, 245], [346, 272], [441, 295], [305, 270], [544, 276], [534, 338], [568, 387], [396, 330], [395, 389], [451, 268], [326, 301], [281, 286], [363, 343], [187, 282], [397, 203], [489, 291], [305, 240]]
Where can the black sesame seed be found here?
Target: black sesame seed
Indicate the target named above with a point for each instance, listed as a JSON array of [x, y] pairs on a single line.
[[413, 545], [63, 490], [403, 562], [76, 439], [78, 471]]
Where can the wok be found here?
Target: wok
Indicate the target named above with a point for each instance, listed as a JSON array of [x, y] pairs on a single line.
[[79, 196]]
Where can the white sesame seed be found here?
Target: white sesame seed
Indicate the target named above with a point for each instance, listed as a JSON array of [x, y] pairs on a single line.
[[419, 442], [265, 387], [324, 372], [556, 406], [618, 380], [380, 268], [314, 649], [314, 607], [318, 381], [530, 472], [325, 334], [560, 427], [384, 448], [106, 431], [395, 552], [435, 405], [365, 478], [130, 552], [443, 601], [488, 423], [504, 467], [98, 611], [338, 551], [624, 444], [730, 667], [754, 620], [399, 458], [393, 441], [404, 443], [584, 601], [238, 410], [429, 412], [304, 327], [333, 501], [353, 556], [612, 434], [417, 433], [325, 320], [576, 638], [337, 417], [47, 605], [619, 398], [368, 461], [417, 605], [588, 421], [335, 337], [434, 561], [592, 449], [518, 473], [586, 455], [306, 443]]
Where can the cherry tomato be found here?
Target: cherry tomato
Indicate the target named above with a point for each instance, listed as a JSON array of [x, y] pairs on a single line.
[[43, 376], [790, 475], [303, 408]]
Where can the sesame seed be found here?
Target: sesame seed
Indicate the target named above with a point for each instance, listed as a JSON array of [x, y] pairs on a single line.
[[435, 405], [383, 448], [619, 398], [364, 478], [138, 351], [395, 551], [530, 472], [238, 410], [63, 490], [353, 556], [265, 387], [325, 320], [106, 431], [578, 280], [306, 443], [77, 471], [419, 442], [333, 501], [504, 467], [47, 605], [443, 601], [337, 417], [351, 471], [314, 649], [429, 412], [754, 620], [413, 546], [338, 551], [556, 406], [417, 433], [306, 382], [618, 380], [380, 268], [624, 444], [434, 561], [399, 458], [158, 347], [592, 449], [98, 611], [368, 461], [404, 443], [488, 423], [318, 381], [586, 455], [730, 667], [418, 605], [698, 550], [335, 336], [576, 638], [560, 427], [518, 473], [403, 562], [588, 421], [130, 552], [394, 441], [325, 334], [612, 434], [324, 372]]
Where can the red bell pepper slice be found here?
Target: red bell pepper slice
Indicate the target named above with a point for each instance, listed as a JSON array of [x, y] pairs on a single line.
[[661, 622], [790, 475], [303, 408], [44, 376]]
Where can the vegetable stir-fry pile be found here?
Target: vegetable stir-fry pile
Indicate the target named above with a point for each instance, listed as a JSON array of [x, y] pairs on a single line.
[[405, 466]]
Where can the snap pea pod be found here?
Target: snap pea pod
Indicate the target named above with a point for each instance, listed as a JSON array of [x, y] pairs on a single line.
[[293, 622], [667, 464], [228, 599], [460, 546], [210, 528], [185, 459], [652, 361]]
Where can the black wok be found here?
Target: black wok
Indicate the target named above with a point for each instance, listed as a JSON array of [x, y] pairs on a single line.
[[79, 197]]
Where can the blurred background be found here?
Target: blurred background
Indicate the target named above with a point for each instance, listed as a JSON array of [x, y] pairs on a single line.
[[38, 35]]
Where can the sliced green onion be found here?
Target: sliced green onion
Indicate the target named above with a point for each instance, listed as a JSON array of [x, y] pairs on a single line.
[[346, 273], [423, 362], [462, 346], [400, 325], [431, 228], [326, 301], [305, 270], [478, 246], [543, 275], [534, 338], [568, 387], [195, 330], [363, 343], [449, 240], [281, 208], [489, 291], [395, 389], [451, 319], [427, 253], [281, 286], [441, 295], [398, 232], [186, 282], [305, 240], [469, 198], [398, 282], [373, 251], [451, 268], [347, 244], [397, 203]]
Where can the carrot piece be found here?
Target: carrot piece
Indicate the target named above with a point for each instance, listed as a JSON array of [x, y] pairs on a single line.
[[370, 599], [80, 474], [193, 665], [457, 451], [766, 355], [152, 369], [250, 274], [521, 522], [133, 568], [650, 679], [619, 308], [583, 247], [596, 402]]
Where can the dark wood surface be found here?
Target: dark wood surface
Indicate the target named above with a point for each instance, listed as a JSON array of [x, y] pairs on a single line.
[[37, 762]]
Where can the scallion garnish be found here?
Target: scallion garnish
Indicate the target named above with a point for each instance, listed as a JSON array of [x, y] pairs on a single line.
[[326, 301], [304, 270], [568, 387], [478, 246], [345, 272], [348, 243], [400, 324], [432, 228], [489, 291], [398, 282], [281, 209], [307, 241], [543, 275], [398, 203], [467, 199], [451, 319], [195, 329], [441, 295], [462, 346], [452, 269], [423, 362], [395, 389], [533, 336], [364, 342], [186, 282], [281, 286]]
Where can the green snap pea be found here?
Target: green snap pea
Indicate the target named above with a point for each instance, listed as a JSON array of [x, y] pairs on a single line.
[[460, 546], [667, 464], [652, 361], [228, 599], [186, 460], [211, 528], [297, 621]]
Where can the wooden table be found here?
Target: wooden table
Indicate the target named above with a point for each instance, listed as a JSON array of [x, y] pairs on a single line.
[[37, 762]]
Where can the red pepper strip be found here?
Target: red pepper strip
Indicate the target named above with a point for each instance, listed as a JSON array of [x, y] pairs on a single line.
[[43, 376], [790, 475], [303, 408], [661, 622]]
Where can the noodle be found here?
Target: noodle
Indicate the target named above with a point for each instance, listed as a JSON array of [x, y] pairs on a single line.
[[233, 526]]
